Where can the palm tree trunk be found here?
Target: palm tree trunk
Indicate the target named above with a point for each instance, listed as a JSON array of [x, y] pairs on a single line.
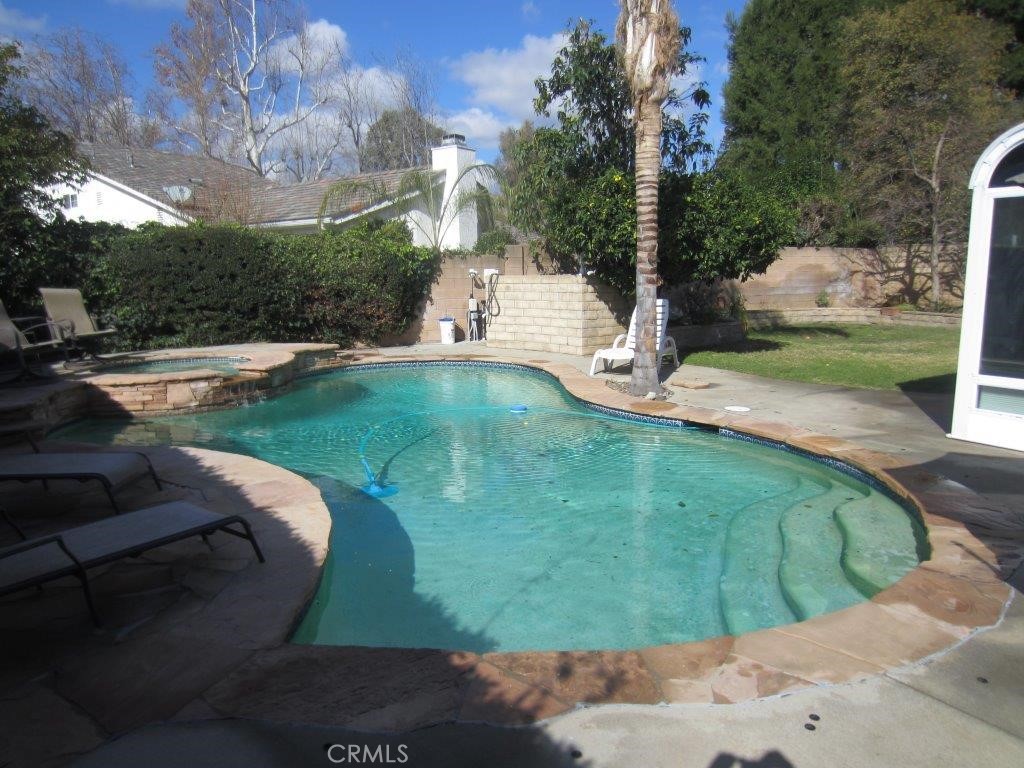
[[648, 164]]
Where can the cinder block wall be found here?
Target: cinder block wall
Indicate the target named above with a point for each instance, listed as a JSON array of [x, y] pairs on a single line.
[[555, 313], [449, 296]]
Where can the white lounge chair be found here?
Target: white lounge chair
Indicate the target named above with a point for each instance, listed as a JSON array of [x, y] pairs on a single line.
[[623, 348], [73, 552]]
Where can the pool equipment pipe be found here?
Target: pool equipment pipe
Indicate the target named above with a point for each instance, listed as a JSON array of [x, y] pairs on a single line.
[[491, 306]]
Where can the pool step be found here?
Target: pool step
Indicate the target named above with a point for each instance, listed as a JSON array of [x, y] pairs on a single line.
[[749, 590], [880, 544], [810, 570]]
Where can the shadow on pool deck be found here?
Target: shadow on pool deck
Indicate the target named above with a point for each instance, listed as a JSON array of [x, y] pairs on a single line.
[[193, 633]]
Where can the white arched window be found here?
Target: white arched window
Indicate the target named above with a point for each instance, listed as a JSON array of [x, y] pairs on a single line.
[[989, 406]]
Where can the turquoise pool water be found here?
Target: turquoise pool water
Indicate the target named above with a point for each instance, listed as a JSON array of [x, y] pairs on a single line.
[[557, 528], [227, 365]]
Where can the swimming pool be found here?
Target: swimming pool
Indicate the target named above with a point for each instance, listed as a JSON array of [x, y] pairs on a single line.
[[555, 528]]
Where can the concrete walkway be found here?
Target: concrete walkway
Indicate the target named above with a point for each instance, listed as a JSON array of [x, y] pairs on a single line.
[[962, 707]]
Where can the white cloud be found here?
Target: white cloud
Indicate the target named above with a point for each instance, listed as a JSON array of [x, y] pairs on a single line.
[[324, 43], [530, 10], [503, 79], [327, 36], [480, 127], [151, 4], [14, 22], [722, 68]]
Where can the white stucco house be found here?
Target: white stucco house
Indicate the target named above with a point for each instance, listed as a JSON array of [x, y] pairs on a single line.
[[131, 186]]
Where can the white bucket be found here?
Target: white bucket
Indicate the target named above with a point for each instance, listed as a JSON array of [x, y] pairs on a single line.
[[447, 330]]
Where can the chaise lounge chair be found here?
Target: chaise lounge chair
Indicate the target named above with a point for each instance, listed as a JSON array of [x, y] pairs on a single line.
[[623, 349], [66, 307], [114, 470], [73, 552], [14, 339]]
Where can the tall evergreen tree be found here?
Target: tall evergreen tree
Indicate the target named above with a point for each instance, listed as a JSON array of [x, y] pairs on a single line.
[[1010, 12], [782, 101]]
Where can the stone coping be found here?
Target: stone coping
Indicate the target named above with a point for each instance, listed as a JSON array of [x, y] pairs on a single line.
[[254, 359], [938, 605], [267, 369]]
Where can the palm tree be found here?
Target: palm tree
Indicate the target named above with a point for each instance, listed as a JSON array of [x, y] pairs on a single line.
[[648, 40], [426, 188]]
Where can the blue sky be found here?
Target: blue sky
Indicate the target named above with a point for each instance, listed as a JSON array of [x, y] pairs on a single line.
[[485, 54]]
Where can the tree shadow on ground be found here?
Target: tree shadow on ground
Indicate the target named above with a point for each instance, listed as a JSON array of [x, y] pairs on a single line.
[[741, 347], [200, 633], [812, 331]]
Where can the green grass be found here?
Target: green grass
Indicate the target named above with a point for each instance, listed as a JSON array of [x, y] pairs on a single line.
[[870, 356]]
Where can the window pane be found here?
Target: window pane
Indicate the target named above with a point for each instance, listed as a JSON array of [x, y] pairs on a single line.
[[1010, 172], [1002, 340], [1004, 400]]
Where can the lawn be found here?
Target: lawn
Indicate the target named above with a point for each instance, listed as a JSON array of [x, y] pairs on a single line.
[[871, 356]]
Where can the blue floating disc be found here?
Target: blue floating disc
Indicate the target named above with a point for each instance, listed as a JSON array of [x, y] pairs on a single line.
[[518, 409]]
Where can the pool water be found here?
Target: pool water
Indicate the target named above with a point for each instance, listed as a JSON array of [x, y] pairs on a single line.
[[225, 365], [557, 528]]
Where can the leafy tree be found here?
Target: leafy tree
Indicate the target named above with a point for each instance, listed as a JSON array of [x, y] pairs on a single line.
[[398, 139], [574, 185], [1009, 12], [781, 105], [594, 137], [922, 103], [32, 156]]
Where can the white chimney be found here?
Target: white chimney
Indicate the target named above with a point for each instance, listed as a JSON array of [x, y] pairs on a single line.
[[453, 157]]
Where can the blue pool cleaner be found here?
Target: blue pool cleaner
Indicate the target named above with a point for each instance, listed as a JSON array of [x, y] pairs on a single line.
[[518, 409], [373, 487]]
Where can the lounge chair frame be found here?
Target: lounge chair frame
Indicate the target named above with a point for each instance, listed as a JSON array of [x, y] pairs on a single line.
[[79, 569], [19, 343], [84, 477], [66, 307]]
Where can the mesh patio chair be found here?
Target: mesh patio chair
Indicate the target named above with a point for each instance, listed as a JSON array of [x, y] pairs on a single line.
[[25, 341]]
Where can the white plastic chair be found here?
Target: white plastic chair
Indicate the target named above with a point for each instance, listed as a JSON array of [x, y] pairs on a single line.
[[623, 349]]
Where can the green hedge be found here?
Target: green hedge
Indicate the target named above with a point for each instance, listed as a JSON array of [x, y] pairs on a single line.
[[202, 285], [62, 254]]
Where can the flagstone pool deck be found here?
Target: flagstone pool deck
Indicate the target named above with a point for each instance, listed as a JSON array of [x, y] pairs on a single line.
[[199, 635]]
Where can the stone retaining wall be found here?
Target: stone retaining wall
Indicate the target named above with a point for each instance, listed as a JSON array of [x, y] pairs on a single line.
[[770, 318], [555, 313], [850, 277]]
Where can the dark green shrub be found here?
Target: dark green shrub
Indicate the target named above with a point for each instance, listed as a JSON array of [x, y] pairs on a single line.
[[204, 285], [494, 242], [361, 284], [64, 254], [197, 285]]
